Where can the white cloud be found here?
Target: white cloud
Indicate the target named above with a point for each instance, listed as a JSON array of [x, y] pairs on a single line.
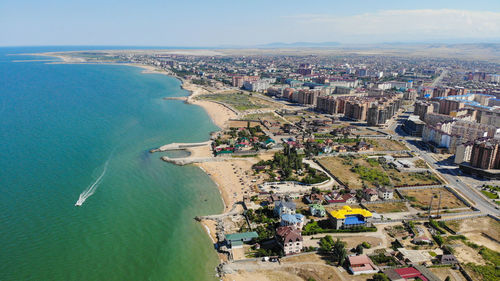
[[404, 24]]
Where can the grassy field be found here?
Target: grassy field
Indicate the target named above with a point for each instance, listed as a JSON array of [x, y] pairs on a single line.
[[264, 116], [407, 179], [420, 198], [387, 145], [387, 207], [238, 101], [358, 171], [490, 195], [489, 268]]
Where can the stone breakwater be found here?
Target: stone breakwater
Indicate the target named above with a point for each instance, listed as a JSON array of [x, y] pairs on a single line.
[[191, 160], [181, 161], [179, 146]]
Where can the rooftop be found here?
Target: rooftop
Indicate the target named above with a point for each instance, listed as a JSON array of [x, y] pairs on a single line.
[[359, 260], [241, 236], [317, 206], [348, 211], [295, 218]]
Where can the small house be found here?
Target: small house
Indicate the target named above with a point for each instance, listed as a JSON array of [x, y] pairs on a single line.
[[284, 207], [369, 194], [386, 193], [236, 240], [361, 264], [421, 240], [296, 220], [317, 210]]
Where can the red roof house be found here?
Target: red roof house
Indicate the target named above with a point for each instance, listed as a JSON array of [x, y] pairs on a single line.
[[361, 264]]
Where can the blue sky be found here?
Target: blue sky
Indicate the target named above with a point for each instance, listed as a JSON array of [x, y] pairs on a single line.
[[236, 22]]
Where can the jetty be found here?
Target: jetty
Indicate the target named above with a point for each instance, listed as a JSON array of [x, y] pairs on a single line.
[[176, 98], [179, 146]]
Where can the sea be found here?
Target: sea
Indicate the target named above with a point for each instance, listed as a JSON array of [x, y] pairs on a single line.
[[82, 132]]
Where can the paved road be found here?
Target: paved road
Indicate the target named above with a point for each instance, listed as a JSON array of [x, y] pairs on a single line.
[[450, 175], [439, 78]]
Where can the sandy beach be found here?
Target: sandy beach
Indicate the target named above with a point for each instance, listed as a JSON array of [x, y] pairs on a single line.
[[219, 114], [232, 178]]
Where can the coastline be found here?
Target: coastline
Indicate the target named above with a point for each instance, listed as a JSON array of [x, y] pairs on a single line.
[[130, 187], [226, 175]]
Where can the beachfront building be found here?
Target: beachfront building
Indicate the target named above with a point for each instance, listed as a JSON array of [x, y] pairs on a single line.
[[236, 240], [284, 207], [296, 220], [317, 210], [289, 239], [361, 264], [348, 217]]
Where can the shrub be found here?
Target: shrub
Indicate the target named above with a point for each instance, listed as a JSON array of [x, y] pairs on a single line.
[[439, 240]]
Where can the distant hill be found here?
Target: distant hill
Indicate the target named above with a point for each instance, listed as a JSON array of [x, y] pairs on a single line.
[[298, 45]]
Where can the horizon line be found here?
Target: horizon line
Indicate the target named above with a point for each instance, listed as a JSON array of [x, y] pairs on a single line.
[[264, 45]]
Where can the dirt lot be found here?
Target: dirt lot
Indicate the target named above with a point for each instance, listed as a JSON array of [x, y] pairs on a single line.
[[342, 171], [264, 116], [341, 168], [387, 145], [338, 207], [244, 124], [361, 132], [443, 272], [387, 207], [297, 268], [478, 231], [466, 254], [420, 198], [407, 179], [351, 241]]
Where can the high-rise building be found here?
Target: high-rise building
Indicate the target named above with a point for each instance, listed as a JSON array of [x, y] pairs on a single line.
[[447, 106], [485, 154], [356, 109], [326, 104]]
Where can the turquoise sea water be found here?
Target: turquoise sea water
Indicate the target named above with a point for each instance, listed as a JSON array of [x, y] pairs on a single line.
[[59, 124]]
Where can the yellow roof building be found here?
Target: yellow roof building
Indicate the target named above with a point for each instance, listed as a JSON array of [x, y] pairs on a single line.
[[348, 211]]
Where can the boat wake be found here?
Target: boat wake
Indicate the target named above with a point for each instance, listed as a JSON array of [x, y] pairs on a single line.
[[91, 188]]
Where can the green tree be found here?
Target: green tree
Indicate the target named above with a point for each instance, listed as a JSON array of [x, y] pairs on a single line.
[[359, 249], [339, 252], [380, 277], [326, 244]]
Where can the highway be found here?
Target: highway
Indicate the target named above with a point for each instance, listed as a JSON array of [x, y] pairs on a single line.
[[478, 201]]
